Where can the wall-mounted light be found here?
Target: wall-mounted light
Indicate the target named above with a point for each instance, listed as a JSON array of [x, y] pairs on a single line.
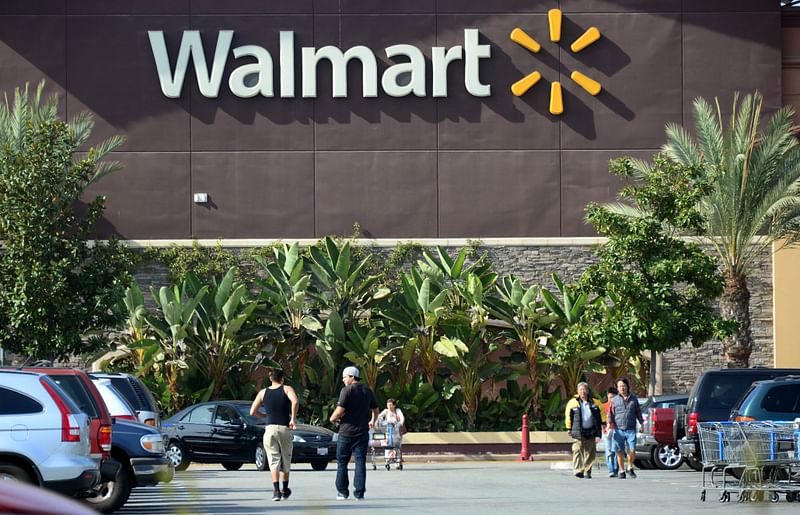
[[201, 198]]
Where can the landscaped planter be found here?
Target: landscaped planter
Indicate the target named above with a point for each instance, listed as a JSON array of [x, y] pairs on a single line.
[[495, 442]]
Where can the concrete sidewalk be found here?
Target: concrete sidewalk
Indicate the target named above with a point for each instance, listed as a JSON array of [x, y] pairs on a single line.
[[458, 457]]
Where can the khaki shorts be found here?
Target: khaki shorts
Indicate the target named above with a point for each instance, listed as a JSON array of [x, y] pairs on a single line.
[[278, 444]]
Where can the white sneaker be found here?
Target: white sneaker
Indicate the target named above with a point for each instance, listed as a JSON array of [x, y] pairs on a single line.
[[341, 497]]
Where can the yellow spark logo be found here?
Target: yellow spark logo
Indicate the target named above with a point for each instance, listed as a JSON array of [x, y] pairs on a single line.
[[521, 38]]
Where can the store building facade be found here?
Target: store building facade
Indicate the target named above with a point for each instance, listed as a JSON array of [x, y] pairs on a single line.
[[416, 119]]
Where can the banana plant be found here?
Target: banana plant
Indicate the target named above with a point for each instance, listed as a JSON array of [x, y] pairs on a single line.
[[465, 347], [419, 400], [415, 317], [529, 322], [286, 308], [471, 367], [364, 350], [221, 339], [140, 348], [173, 324], [451, 273], [342, 284], [570, 354], [137, 313]]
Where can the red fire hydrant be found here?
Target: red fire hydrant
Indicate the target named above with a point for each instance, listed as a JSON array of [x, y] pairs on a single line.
[[523, 453]]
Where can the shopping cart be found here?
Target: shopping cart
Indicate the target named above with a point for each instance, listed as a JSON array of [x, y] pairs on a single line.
[[755, 460], [388, 440]]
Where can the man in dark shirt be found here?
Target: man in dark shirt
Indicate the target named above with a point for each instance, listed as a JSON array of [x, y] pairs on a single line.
[[356, 411]]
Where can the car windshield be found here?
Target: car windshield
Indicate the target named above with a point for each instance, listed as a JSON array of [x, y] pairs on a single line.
[[722, 392], [116, 404], [244, 410], [126, 390], [782, 399], [75, 389]]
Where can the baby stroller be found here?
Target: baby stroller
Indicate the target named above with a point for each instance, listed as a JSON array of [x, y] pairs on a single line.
[[387, 439]]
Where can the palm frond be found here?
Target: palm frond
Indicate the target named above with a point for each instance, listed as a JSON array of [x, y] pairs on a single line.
[[681, 147], [708, 130]]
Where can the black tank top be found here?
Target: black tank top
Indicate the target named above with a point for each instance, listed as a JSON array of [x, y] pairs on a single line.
[[278, 406]]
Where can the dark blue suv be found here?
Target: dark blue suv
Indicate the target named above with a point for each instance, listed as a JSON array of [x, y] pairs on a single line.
[[140, 450], [775, 399]]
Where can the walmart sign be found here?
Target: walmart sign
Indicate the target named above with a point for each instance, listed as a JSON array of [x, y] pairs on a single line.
[[256, 78]]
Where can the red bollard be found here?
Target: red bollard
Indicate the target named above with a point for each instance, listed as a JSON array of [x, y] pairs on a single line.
[[523, 453]]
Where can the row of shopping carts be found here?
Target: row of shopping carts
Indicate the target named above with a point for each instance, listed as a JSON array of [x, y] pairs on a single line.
[[754, 461]]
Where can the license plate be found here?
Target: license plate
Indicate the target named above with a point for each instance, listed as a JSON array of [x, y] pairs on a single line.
[[322, 451]]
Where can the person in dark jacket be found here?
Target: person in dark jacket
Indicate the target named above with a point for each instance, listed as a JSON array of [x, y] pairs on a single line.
[[357, 412], [280, 404], [623, 414], [584, 420]]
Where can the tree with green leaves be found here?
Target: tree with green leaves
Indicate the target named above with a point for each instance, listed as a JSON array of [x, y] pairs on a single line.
[[659, 286], [755, 199], [56, 286]]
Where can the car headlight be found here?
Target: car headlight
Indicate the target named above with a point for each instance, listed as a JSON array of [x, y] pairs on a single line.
[[152, 443], [298, 439]]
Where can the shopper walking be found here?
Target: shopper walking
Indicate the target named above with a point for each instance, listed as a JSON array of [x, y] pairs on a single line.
[[280, 404], [356, 413], [611, 457], [623, 415], [393, 416], [584, 419]]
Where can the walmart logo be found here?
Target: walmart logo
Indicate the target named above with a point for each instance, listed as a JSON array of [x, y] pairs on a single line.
[[520, 37]]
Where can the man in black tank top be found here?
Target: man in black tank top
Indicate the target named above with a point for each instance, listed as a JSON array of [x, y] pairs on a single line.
[[279, 402]]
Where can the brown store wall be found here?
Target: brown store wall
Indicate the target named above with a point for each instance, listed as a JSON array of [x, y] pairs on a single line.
[[411, 167]]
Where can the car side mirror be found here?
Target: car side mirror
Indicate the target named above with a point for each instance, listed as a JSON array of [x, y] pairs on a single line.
[[237, 422]]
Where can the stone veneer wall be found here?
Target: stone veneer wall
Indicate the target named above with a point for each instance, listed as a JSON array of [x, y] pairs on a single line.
[[535, 263]]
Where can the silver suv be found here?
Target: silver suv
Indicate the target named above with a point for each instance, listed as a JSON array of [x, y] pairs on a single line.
[[136, 393], [44, 436]]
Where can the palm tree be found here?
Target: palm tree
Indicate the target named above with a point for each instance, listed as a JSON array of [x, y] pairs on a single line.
[[755, 200], [30, 108]]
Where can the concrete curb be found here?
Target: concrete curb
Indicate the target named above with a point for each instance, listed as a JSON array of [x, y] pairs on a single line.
[[450, 457]]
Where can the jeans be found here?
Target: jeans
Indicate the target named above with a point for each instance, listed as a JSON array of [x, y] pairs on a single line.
[[348, 446], [611, 456]]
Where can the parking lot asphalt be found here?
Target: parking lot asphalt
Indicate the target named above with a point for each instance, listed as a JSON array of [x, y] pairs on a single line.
[[436, 488]]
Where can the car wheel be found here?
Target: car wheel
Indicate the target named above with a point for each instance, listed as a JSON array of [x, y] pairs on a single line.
[[111, 496], [177, 455], [319, 465], [260, 458], [9, 472], [232, 466], [667, 457]]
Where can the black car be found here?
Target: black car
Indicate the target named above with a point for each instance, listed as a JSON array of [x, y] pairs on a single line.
[[776, 399], [712, 398], [224, 432]]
